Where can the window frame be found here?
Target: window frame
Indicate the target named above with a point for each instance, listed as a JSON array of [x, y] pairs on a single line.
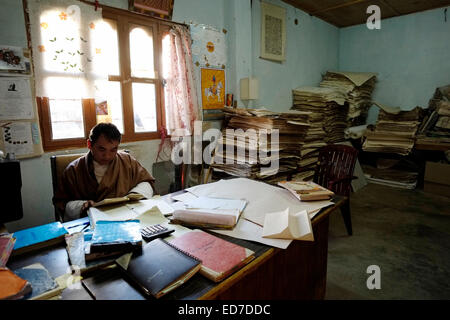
[[125, 20]]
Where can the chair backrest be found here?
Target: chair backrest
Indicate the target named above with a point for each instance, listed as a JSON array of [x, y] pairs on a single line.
[[336, 162], [58, 164]]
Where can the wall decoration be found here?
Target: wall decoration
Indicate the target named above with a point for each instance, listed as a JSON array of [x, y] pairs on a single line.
[[11, 58], [273, 32], [155, 8], [208, 46], [213, 88]]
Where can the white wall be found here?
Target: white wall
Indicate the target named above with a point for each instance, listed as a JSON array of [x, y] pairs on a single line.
[[311, 49]]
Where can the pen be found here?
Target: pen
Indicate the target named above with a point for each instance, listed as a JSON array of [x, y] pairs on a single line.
[[85, 224]]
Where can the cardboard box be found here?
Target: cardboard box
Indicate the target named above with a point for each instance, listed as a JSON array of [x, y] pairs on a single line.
[[437, 178]]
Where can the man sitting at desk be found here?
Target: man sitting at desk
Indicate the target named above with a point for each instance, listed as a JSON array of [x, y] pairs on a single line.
[[101, 173]]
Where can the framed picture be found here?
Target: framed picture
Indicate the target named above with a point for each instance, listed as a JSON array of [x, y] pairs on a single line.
[[156, 8], [273, 32], [213, 88]]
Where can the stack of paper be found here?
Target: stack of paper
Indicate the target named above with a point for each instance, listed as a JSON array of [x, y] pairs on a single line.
[[357, 88], [393, 133], [250, 144], [435, 127], [401, 173], [327, 119], [214, 213]]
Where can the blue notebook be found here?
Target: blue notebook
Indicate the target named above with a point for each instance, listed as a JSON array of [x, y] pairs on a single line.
[[111, 233], [43, 286], [39, 235]]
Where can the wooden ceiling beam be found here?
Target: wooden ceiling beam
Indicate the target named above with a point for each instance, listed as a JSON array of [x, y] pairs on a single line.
[[390, 7], [338, 6]]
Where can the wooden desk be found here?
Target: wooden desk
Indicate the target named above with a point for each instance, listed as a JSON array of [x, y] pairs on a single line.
[[298, 272]]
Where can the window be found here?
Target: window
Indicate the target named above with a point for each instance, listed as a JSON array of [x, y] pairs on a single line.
[[110, 75]]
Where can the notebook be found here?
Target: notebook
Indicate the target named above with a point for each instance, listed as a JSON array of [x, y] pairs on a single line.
[[220, 258], [12, 287], [307, 190], [6, 246], [116, 235], [43, 286], [159, 268], [38, 237]]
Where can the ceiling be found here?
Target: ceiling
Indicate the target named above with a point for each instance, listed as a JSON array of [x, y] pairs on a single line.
[[344, 13]]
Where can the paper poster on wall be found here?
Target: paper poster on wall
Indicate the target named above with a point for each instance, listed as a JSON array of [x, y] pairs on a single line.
[[208, 46], [213, 88], [15, 99], [17, 138]]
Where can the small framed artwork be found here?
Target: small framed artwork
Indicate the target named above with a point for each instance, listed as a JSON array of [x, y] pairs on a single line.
[[155, 8], [213, 88], [273, 32]]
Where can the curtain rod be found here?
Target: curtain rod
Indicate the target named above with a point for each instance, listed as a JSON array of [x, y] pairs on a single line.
[[93, 3]]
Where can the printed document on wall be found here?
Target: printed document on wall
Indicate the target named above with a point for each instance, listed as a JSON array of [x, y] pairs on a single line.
[[17, 138], [15, 99]]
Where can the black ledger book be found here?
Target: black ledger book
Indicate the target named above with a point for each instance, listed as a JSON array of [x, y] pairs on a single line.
[[160, 268]]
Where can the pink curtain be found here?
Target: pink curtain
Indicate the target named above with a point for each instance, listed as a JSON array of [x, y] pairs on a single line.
[[180, 90]]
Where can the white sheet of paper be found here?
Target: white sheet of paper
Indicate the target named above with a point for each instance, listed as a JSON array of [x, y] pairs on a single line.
[[288, 225], [184, 197], [147, 204], [249, 231], [120, 213], [216, 203], [15, 99], [17, 138]]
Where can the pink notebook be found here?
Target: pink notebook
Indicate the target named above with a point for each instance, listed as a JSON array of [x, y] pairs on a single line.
[[6, 245], [220, 258]]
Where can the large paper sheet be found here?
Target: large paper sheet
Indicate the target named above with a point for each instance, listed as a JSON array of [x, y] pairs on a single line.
[[262, 198], [249, 231]]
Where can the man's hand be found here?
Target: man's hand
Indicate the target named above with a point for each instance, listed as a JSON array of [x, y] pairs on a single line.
[[87, 205]]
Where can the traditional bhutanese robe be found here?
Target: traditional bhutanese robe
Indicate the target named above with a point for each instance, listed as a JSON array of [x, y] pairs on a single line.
[[78, 181]]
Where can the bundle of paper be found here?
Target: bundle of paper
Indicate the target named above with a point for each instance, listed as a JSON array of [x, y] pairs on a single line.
[[357, 88], [307, 190], [394, 132], [328, 114], [256, 138], [213, 213]]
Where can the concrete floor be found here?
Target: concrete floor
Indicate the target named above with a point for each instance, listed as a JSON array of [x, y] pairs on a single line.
[[404, 232]]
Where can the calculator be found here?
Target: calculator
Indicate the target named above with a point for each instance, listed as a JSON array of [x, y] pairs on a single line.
[[155, 231]]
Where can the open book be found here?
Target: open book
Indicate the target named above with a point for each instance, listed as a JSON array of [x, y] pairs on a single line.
[[128, 197], [307, 190]]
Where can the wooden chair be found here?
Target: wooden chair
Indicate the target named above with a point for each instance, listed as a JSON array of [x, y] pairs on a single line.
[[334, 171], [58, 164]]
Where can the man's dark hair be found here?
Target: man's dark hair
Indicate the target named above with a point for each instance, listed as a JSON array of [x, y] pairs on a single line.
[[109, 130]]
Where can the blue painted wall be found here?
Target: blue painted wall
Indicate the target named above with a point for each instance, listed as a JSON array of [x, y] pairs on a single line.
[[311, 49], [410, 53]]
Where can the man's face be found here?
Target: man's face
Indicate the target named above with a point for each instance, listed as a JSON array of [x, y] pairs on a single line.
[[103, 150]]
